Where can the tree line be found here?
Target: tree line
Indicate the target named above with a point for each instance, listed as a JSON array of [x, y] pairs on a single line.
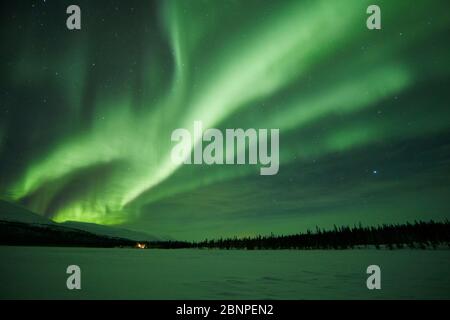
[[420, 235]]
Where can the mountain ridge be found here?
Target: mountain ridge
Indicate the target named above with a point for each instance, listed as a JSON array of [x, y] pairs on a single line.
[[14, 213]]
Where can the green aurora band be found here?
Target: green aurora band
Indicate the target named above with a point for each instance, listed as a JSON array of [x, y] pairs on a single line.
[[364, 118]]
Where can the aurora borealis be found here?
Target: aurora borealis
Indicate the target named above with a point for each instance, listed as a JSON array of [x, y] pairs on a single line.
[[364, 116]]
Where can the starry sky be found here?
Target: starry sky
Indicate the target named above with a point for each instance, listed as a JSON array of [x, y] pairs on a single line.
[[364, 116]]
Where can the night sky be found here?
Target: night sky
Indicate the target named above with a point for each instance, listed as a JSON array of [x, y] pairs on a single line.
[[364, 116]]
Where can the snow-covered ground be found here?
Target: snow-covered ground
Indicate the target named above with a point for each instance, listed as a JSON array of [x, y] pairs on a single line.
[[40, 273]]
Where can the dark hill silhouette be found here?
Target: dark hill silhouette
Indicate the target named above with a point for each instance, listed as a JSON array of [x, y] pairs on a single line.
[[19, 233], [15, 215]]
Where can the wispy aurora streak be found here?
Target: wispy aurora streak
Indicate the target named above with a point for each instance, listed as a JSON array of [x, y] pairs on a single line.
[[310, 68]]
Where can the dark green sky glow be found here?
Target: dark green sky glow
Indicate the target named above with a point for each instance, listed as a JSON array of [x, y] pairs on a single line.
[[364, 116]]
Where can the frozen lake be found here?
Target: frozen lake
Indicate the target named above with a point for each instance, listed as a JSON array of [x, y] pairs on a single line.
[[40, 273]]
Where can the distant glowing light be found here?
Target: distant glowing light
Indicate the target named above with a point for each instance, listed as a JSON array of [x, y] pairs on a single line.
[[141, 245]]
